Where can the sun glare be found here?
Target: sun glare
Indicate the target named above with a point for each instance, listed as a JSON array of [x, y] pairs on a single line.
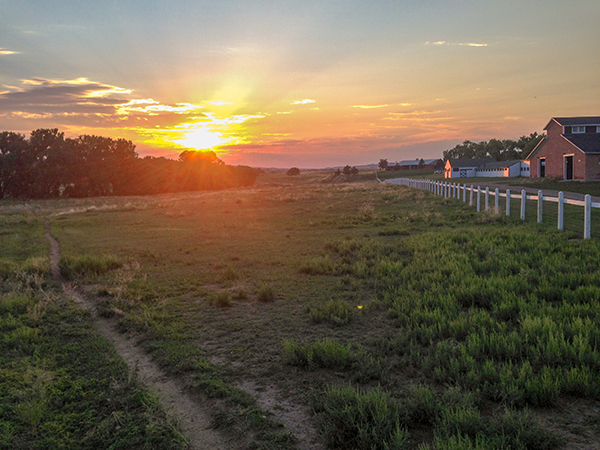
[[201, 138]]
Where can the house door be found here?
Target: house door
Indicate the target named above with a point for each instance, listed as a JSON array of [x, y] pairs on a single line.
[[542, 167], [569, 167]]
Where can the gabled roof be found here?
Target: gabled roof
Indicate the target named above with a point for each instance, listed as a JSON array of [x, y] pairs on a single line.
[[570, 121], [501, 164], [471, 162], [415, 162], [588, 143]]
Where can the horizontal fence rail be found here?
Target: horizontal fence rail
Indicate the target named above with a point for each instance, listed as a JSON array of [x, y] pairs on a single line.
[[479, 198]]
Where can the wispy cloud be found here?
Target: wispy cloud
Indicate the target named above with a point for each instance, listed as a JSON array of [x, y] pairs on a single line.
[[462, 44], [4, 51], [153, 108], [369, 106], [303, 102], [220, 103]]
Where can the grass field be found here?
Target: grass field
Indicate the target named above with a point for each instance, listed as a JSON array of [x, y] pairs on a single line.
[[398, 318]]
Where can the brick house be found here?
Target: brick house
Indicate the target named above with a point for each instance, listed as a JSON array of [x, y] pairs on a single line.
[[570, 150]]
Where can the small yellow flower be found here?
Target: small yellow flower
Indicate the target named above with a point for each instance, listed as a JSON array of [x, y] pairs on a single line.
[[359, 306]]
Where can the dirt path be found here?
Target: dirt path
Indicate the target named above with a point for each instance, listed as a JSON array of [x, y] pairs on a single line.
[[192, 418]]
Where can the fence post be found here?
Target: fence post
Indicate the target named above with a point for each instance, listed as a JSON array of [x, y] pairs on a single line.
[[523, 200], [458, 191], [561, 210], [471, 196], [497, 202], [540, 205], [508, 202], [478, 198], [465, 193], [587, 217], [487, 198]]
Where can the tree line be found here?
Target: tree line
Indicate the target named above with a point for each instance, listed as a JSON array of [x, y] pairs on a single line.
[[500, 150], [48, 165]]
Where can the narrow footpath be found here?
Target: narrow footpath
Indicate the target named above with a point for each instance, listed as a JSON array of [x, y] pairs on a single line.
[[192, 418]]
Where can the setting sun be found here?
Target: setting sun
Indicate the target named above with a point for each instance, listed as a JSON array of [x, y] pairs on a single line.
[[201, 138]]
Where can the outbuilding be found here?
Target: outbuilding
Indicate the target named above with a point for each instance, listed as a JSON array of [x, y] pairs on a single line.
[[570, 150], [465, 167]]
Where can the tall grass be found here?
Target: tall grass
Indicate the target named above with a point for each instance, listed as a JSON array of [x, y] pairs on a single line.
[[87, 265], [360, 419]]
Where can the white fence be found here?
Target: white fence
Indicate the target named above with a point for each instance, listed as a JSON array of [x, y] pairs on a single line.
[[481, 198]]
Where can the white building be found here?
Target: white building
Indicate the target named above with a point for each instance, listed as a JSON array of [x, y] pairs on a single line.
[[485, 167]]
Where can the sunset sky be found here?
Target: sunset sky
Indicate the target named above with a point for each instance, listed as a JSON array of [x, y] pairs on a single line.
[[298, 83]]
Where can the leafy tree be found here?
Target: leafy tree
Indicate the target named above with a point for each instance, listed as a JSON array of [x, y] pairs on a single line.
[[49, 165], [501, 150], [354, 171], [383, 163], [421, 163], [347, 170], [293, 171], [13, 146]]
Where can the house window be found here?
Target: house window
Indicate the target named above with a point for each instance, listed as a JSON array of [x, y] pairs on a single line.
[[578, 129]]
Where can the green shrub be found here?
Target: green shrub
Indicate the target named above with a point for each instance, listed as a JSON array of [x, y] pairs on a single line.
[[221, 299], [323, 353], [320, 265], [230, 274], [265, 293], [88, 265], [517, 429], [351, 418], [7, 268], [335, 311]]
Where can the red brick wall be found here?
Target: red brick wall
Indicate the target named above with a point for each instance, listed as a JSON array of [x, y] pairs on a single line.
[[592, 167], [553, 149]]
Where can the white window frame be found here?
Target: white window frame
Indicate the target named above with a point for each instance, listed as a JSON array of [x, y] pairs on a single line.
[[578, 129]]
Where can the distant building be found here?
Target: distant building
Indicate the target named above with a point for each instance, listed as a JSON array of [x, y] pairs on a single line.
[[413, 164], [570, 150], [485, 167], [465, 167]]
